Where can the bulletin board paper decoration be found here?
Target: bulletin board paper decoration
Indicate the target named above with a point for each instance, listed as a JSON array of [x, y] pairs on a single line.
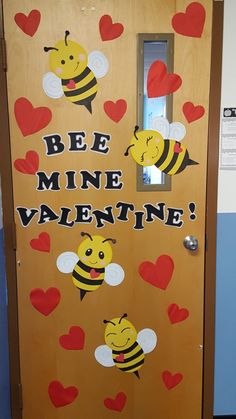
[[98, 63], [61, 396], [177, 314], [41, 243], [177, 131], [29, 165], [191, 23], [117, 404], [115, 110], [192, 112], [74, 340], [45, 301], [52, 86], [171, 380], [66, 262], [114, 274], [159, 273], [28, 24], [159, 82], [29, 119], [108, 29]]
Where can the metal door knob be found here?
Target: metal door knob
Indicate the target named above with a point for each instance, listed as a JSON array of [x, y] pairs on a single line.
[[191, 243]]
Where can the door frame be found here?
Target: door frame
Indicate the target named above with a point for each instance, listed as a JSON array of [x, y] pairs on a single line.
[[211, 214]]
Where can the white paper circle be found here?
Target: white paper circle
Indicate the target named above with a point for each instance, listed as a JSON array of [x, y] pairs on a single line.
[[52, 86], [114, 274], [177, 131], [160, 124], [98, 63], [66, 262]]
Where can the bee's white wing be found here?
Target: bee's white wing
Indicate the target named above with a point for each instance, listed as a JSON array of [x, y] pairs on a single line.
[[147, 339], [103, 355], [160, 124], [66, 262], [52, 85], [177, 131], [98, 63], [114, 274]]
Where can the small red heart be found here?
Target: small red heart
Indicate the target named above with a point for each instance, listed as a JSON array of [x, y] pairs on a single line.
[[45, 301], [30, 119], [74, 340], [28, 24], [120, 358], [158, 274], [29, 165], [109, 30], [116, 404], [177, 148], [192, 22], [42, 243], [71, 84], [61, 396], [171, 380], [94, 274], [159, 82], [191, 112], [115, 110], [177, 314]]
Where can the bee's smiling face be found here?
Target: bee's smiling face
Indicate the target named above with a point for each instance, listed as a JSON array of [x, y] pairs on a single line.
[[94, 253], [120, 335], [148, 148], [69, 61]]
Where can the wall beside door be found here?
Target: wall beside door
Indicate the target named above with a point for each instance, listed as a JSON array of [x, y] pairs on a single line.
[[225, 365]]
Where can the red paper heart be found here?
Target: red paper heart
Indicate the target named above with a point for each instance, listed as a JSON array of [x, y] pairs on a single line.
[[191, 112], [158, 274], [94, 274], [116, 404], [109, 30], [45, 301], [159, 82], [74, 340], [42, 243], [28, 24], [177, 148], [171, 380], [30, 119], [177, 314], [61, 396], [71, 84], [120, 358], [192, 22], [29, 165], [115, 110]]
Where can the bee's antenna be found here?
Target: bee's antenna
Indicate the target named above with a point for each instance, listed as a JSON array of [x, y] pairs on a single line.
[[46, 49], [67, 33], [136, 128], [108, 321], [112, 240], [127, 151], [86, 234], [124, 315]]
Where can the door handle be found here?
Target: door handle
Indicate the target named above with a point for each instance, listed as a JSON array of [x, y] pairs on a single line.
[[190, 243]]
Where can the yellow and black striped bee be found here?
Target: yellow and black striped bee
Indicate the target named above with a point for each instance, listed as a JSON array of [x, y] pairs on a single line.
[[149, 148], [125, 348], [92, 265], [70, 73]]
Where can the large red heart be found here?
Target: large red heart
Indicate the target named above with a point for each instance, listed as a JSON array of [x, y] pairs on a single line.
[[109, 30], [158, 274], [28, 24], [74, 340], [192, 22], [29, 165], [45, 301], [116, 404], [30, 119], [60, 395], [42, 243], [191, 112], [177, 314], [159, 82], [115, 110], [171, 380]]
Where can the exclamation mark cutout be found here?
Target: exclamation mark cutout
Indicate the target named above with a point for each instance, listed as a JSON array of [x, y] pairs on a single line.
[[192, 208]]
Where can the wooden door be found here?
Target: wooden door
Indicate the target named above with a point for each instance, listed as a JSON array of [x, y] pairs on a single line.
[[70, 176]]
